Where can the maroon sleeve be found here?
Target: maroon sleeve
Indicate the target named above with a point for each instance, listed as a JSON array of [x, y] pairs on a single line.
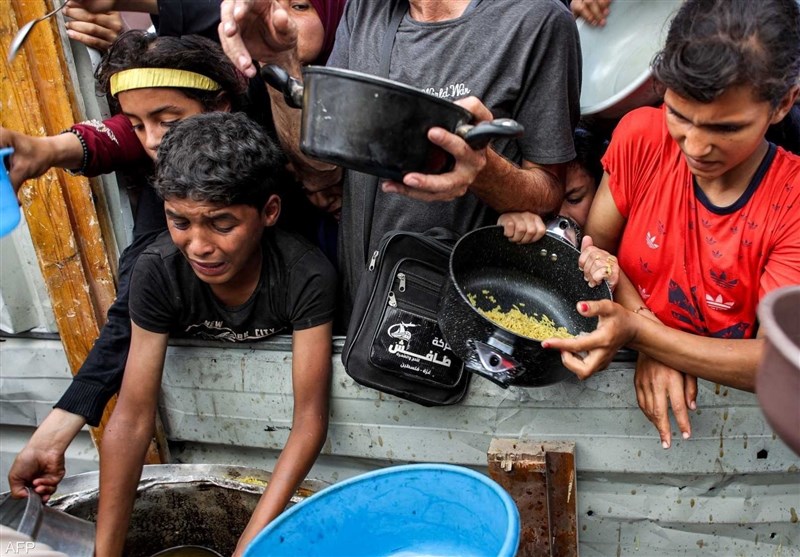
[[110, 145]]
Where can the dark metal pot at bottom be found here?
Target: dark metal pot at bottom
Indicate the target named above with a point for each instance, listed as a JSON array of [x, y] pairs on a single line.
[[541, 278]]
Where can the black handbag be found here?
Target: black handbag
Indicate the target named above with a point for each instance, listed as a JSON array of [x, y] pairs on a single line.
[[394, 343]]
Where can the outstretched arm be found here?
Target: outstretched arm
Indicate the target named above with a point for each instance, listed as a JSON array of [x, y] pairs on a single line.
[[311, 379], [126, 439], [732, 362], [33, 156], [40, 464], [92, 148]]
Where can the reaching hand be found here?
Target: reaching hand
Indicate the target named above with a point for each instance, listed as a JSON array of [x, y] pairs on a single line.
[[95, 30], [256, 29], [616, 327], [469, 163], [30, 158], [658, 387], [594, 12], [598, 265], [38, 468], [522, 228]]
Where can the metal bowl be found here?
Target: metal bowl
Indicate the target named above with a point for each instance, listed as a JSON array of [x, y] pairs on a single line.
[[181, 504], [616, 57], [778, 379], [52, 527]]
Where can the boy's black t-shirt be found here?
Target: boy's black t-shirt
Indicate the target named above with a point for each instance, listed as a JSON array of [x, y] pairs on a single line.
[[296, 291]]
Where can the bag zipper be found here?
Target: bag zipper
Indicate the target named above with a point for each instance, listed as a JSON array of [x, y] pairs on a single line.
[[376, 261]]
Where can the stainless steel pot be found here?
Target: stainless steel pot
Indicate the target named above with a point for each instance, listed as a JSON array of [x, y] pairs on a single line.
[[378, 126], [55, 528], [178, 504]]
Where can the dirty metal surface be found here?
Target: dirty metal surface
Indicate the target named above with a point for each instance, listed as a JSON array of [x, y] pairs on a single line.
[[181, 504]]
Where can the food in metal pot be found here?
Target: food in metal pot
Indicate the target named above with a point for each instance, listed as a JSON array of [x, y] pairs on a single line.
[[515, 320]]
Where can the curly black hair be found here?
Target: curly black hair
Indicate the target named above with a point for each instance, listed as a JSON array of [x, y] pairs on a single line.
[[716, 44], [139, 49], [219, 157]]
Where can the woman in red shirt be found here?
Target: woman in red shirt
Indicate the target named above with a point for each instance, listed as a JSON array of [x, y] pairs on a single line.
[[698, 206]]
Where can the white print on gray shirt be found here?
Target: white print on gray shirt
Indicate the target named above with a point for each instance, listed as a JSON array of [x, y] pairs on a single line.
[[453, 91]]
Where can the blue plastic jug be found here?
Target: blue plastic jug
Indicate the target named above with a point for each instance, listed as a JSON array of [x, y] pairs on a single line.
[[9, 206], [431, 510]]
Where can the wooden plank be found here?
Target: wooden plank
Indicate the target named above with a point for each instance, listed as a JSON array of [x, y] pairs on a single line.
[[59, 209], [59, 110], [540, 477], [562, 498]]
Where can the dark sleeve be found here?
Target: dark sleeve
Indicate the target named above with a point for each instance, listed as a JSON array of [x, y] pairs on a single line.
[[100, 375], [312, 291], [187, 17], [549, 106], [110, 145], [340, 55], [154, 299]]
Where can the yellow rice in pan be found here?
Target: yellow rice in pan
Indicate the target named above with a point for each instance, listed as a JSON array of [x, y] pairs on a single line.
[[530, 326]]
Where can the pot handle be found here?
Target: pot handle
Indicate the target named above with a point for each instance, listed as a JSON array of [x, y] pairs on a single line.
[[279, 79], [494, 363], [480, 135], [566, 230]]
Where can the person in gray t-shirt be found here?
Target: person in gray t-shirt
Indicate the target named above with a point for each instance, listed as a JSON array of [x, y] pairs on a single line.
[[521, 59]]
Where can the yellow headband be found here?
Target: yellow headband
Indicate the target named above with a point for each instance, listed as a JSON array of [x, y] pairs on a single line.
[[140, 78]]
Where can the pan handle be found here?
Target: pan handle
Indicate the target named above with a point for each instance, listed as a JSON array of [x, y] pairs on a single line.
[[566, 230], [279, 79], [480, 135], [494, 362]]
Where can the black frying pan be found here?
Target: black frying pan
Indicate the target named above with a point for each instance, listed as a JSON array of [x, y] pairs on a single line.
[[375, 125], [542, 277]]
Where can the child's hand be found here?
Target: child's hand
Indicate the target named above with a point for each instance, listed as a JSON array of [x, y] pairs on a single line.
[[522, 228]]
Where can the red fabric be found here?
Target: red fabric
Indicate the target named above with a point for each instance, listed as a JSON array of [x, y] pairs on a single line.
[[697, 270], [329, 12], [111, 145]]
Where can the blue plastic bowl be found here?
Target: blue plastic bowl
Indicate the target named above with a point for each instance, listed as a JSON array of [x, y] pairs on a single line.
[[431, 510]]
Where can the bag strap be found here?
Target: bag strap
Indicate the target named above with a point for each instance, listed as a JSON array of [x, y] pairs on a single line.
[[398, 12]]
